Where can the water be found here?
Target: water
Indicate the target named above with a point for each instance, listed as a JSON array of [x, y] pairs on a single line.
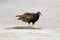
[[50, 19]]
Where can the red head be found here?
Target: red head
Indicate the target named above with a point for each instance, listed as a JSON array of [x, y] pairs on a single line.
[[39, 13]]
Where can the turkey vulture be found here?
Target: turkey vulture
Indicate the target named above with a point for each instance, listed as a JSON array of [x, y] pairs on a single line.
[[29, 17]]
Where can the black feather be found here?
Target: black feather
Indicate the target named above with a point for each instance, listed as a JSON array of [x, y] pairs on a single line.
[[29, 17]]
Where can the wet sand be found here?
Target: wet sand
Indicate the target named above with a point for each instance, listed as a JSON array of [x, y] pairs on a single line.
[[29, 34]]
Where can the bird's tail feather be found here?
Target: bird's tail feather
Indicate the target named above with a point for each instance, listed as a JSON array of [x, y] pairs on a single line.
[[18, 15], [19, 18]]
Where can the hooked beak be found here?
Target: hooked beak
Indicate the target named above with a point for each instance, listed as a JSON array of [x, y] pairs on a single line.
[[41, 15]]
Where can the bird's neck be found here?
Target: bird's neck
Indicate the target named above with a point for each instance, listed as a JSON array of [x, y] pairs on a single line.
[[37, 14]]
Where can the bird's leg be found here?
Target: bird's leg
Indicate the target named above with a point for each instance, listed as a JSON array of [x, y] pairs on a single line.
[[33, 24], [29, 24]]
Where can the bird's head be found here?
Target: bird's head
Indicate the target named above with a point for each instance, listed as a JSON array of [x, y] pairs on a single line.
[[39, 13]]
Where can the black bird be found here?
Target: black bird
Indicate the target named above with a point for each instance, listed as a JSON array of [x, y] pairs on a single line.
[[29, 17]]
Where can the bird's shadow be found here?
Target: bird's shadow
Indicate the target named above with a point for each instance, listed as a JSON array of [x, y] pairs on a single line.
[[23, 27]]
